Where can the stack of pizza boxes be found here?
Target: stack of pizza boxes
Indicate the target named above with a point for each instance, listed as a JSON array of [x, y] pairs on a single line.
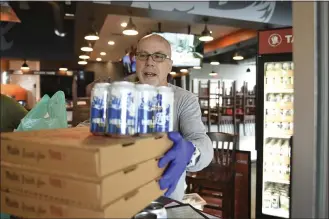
[[69, 173]]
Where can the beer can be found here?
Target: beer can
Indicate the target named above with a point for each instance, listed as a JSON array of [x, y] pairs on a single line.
[[121, 109], [98, 108], [158, 209], [146, 100], [145, 215], [165, 110]]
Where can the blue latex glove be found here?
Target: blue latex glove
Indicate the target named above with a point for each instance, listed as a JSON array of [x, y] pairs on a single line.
[[178, 157]]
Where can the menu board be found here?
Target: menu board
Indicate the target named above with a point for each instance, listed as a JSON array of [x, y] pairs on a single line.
[[278, 128]]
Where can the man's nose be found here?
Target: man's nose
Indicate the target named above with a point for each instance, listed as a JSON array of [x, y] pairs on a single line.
[[149, 61]]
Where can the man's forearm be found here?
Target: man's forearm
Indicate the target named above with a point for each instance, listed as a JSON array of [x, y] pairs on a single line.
[[206, 153]]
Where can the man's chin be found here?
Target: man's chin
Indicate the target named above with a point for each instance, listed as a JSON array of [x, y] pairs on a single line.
[[151, 81]]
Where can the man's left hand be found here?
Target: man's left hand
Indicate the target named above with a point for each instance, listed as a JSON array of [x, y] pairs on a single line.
[[178, 157]]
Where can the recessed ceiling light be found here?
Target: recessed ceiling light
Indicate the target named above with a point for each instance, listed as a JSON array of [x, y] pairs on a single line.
[[123, 24], [82, 62], [98, 59], [111, 42], [197, 67], [84, 56], [103, 53], [172, 73], [184, 70], [214, 63]]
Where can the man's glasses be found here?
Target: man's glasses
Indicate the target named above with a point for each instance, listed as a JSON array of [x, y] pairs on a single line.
[[157, 57]]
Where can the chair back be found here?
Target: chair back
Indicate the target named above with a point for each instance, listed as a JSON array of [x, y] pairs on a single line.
[[224, 150]]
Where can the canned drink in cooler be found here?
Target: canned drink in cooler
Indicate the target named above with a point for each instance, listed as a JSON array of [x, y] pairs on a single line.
[[98, 108], [165, 109], [146, 100], [121, 109]]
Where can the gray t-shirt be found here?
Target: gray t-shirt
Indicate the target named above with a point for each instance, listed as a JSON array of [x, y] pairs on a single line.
[[187, 121]]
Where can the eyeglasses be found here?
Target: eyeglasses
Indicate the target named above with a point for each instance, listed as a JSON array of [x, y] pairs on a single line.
[[157, 57]]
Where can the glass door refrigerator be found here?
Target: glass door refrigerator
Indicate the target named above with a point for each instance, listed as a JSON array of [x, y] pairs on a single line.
[[274, 123]]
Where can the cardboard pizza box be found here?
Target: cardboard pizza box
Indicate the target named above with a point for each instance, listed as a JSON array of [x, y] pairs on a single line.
[[80, 152], [26, 205], [86, 191]]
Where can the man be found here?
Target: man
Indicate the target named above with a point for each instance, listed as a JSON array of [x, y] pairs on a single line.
[[192, 149], [11, 113]]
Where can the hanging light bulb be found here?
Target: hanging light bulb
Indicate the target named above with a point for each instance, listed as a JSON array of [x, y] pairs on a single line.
[[82, 62], [130, 29], [214, 63], [87, 47], [212, 73], [62, 69], [84, 56], [92, 35], [206, 35], [237, 56], [25, 66]]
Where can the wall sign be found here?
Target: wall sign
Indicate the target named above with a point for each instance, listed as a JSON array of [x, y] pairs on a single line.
[[273, 12], [275, 41]]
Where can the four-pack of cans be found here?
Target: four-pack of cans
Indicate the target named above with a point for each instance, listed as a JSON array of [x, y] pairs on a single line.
[[125, 109]]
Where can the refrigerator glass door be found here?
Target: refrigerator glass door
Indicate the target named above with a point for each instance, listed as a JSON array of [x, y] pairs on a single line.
[[278, 128]]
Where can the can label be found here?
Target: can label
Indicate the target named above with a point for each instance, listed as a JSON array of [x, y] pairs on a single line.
[[98, 109], [164, 112], [146, 102], [121, 112]]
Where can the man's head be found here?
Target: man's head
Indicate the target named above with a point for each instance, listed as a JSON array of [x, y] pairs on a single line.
[[153, 69]]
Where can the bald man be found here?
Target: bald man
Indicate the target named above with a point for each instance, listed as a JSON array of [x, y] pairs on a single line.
[[192, 149]]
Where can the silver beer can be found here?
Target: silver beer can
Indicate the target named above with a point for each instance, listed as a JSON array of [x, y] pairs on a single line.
[[157, 209]]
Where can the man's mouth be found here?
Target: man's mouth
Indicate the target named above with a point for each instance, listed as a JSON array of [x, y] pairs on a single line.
[[149, 74]]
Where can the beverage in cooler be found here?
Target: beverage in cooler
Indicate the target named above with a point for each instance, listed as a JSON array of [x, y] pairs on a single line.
[[278, 128]]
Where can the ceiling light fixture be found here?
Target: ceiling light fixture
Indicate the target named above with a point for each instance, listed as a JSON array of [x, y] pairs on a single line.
[[123, 24], [63, 69], [248, 70], [214, 63], [197, 67], [98, 59], [82, 62], [206, 34], [25, 66], [92, 35], [87, 47], [184, 70], [237, 56], [212, 73], [172, 73], [131, 29], [103, 53], [84, 56], [111, 43]]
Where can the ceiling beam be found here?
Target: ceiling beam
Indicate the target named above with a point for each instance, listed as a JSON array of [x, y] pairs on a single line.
[[229, 40]]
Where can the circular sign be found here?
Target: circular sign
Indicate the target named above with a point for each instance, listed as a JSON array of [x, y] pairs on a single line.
[[274, 40]]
